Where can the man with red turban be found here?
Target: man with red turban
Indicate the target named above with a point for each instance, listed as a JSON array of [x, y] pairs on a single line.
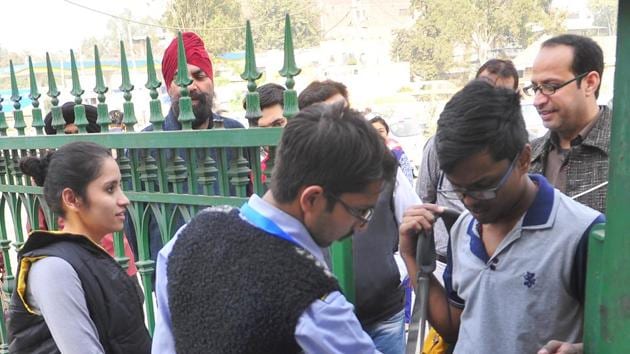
[[201, 89], [202, 93]]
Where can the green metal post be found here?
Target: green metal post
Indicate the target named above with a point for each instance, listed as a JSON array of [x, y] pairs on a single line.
[[57, 119], [18, 115], [607, 312], [289, 70], [129, 115], [186, 115], [156, 117], [80, 120], [102, 113], [251, 74], [341, 254], [3, 120], [38, 122]]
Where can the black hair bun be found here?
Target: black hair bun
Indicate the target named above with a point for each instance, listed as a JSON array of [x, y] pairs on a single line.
[[36, 167]]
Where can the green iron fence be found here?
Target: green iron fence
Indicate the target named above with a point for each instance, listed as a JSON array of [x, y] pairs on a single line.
[[607, 310], [167, 175]]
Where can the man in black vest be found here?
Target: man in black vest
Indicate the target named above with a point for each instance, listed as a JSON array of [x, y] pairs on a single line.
[[254, 280]]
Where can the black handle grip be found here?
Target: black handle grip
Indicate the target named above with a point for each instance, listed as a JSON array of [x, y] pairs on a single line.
[[425, 248]]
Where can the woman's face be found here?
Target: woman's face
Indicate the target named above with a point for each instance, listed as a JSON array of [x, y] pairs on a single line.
[[104, 210], [380, 128]]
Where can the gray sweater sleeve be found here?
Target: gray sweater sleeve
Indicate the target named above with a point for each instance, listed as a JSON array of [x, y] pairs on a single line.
[[54, 291]]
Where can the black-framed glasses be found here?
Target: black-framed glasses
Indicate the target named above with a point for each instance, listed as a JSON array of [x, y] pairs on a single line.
[[363, 215], [481, 194], [549, 89]]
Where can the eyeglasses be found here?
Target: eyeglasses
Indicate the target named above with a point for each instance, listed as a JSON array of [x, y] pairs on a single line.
[[363, 215], [483, 194], [548, 89]]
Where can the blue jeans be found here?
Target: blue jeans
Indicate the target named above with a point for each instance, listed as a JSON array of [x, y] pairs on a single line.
[[389, 335]]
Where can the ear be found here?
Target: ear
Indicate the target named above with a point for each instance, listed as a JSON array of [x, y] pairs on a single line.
[[311, 198], [70, 200], [591, 83], [524, 159]]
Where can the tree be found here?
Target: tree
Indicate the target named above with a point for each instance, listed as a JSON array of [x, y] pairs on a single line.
[[218, 22], [475, 29], [605, 13], [124, 28], [268, 29]]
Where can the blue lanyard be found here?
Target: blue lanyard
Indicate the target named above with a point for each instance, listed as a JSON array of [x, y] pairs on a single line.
[[263, 223]]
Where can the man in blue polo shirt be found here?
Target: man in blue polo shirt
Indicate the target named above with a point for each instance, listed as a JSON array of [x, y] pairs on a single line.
[[254, 280], [517, 256]]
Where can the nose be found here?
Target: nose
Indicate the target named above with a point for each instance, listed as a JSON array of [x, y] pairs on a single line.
[[540, 100], [469, 202], [193, 86], [123, 200]]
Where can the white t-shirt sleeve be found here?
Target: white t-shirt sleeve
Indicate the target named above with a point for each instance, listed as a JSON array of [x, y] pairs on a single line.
[[54, 290], [404, 196]]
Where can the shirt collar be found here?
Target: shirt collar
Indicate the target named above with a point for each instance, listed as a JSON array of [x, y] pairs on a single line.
[[582, 135], [288, 224], [539, 214]]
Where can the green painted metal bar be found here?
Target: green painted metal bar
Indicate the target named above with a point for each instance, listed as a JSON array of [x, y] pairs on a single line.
[[57, 119], [3, 120], [155, 107], [38, 122], [341, 254], [102, 113], [18, 115], [251, 74], [239, 174], [607, 312], [129, 114], [207, 173], [207, 138], [289, 70], [80, 120], [186, 116]]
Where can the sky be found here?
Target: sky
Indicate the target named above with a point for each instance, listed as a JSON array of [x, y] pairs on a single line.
[[63, 24]]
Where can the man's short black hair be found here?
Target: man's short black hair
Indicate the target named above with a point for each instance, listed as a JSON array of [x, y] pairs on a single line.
[[67, 112], [501, 68], [480, 117], [332, 147], [587, 55], [320, 91], [270, 94]]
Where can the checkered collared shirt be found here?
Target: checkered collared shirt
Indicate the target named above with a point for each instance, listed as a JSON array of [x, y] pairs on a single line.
[[586, 162]]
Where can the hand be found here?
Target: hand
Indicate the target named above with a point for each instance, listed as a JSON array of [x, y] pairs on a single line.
[[415, 219], [557, 347]]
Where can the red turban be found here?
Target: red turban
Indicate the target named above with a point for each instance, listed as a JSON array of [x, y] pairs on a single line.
[[196, 54]]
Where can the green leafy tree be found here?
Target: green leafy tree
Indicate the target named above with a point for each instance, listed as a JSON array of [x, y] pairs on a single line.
[[605, 13], [268, 28], [462, 31], [218, 22]]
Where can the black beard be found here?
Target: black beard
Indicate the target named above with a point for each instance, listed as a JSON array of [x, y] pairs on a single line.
[[202, 111]]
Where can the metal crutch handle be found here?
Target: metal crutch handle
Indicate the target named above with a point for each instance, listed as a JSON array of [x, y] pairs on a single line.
[[425, 260]]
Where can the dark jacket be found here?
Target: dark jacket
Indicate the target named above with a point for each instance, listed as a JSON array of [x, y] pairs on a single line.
[[111, 296], [233, 288], [587, 161], [379, 293]]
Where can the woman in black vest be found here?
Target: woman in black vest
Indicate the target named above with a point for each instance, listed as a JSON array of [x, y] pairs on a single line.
[[71, 296]]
